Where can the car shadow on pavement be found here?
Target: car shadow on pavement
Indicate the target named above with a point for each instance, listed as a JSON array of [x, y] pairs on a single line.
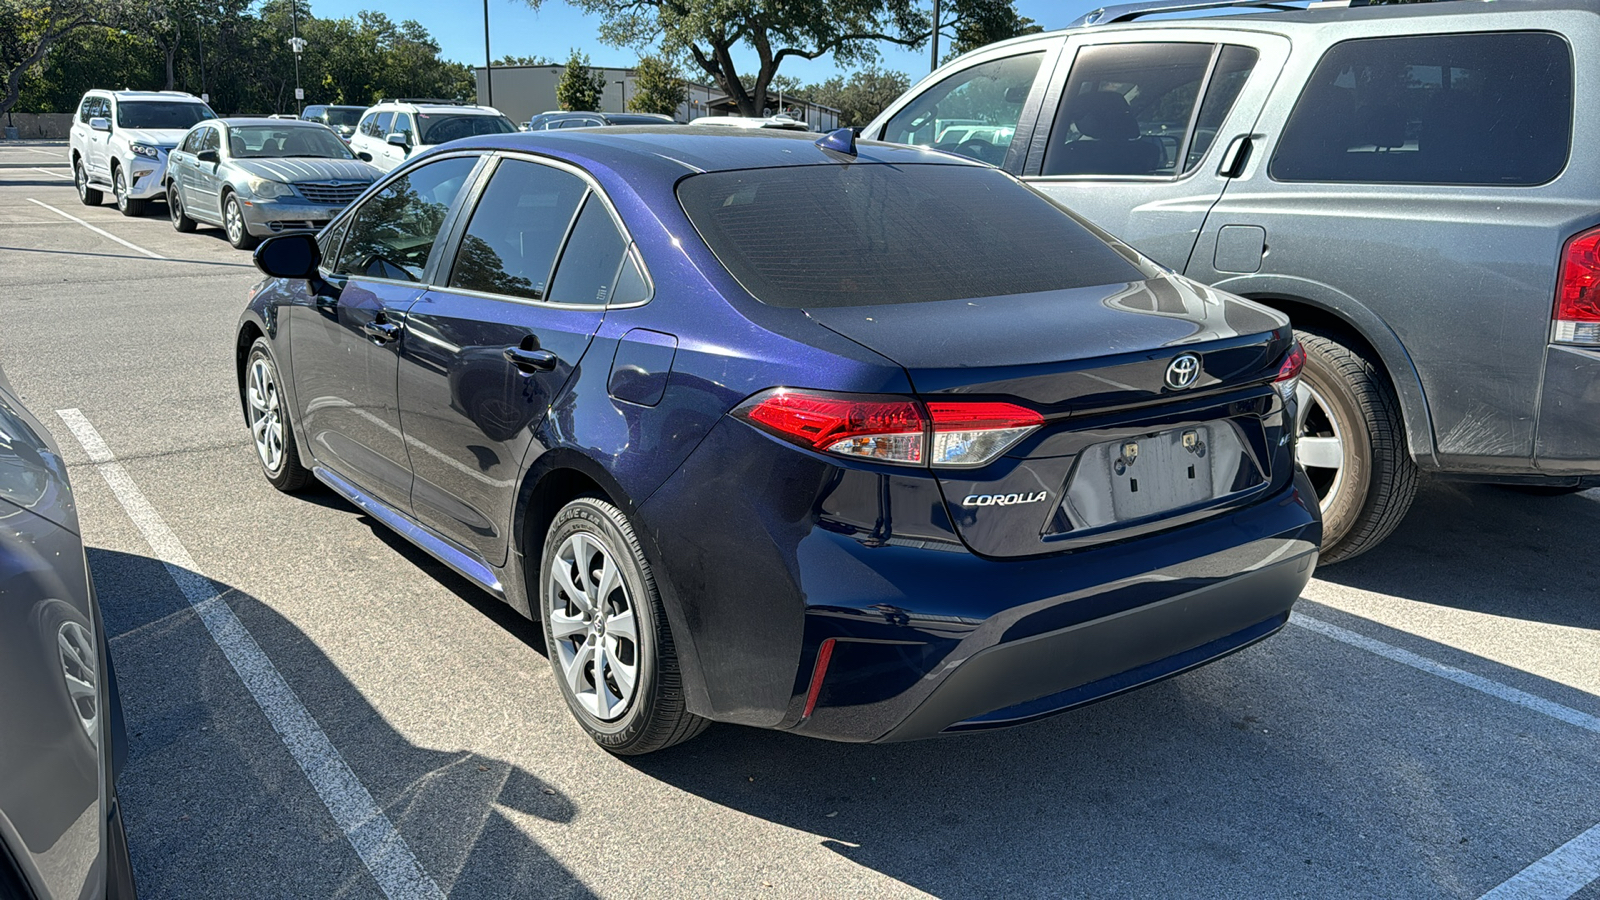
[[1491, 550], [215, 805]]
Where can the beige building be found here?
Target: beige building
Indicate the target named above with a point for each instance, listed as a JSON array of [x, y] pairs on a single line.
[[522, 92]]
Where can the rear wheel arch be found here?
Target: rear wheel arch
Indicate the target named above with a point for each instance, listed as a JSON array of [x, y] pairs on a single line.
[[249, 332]]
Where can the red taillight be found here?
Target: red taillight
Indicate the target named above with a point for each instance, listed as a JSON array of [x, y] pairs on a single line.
[[1577, 314], [1288, 377], [892, 429]]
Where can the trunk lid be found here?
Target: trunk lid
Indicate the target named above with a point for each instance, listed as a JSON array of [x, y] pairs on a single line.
[[1122, 450]]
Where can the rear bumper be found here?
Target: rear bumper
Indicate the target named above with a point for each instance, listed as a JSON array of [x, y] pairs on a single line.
[[1568, 437]]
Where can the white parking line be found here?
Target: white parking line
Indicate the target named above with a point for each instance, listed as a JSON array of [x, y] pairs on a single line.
[[99, 231], [1567, 870], [50, 173], [42, 152], [386, 854]]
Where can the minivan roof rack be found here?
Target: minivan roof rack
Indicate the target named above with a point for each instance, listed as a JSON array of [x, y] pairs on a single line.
[[1128, 12], [431, 101]]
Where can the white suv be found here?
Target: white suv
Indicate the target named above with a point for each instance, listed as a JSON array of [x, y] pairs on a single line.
[[396, 130], [120, 142]]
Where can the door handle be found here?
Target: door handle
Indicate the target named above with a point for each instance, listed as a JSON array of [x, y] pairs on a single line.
[[531, 360], [382, 332], [1234, 158]]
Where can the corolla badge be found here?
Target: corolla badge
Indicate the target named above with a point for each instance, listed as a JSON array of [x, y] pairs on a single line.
[[1004, 499], [1182, 371]]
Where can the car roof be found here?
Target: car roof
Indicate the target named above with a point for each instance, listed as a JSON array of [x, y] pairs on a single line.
[[670, 151], [147, 95], [438, 107], [264, 120]]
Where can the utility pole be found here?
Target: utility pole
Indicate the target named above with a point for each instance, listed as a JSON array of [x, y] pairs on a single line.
[[935, 63], [298, 45], [199, 26], [488, 60]]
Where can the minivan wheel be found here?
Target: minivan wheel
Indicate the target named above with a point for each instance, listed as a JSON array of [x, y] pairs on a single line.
[[267, 411], [180, 219], [1351, 442], [88, 196], [119, 192], [606, 633]]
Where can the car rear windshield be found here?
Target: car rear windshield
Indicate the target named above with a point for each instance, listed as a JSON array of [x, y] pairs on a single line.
[[869, 234], [438, 128], [160, 114], [1480, 109], [336, 116]]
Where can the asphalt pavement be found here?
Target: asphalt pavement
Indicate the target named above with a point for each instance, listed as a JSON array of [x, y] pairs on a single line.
[[316, 709]]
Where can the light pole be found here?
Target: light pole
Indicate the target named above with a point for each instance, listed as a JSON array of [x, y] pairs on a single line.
[[488, 60], [298, 45], [624, 84], [935, 63]]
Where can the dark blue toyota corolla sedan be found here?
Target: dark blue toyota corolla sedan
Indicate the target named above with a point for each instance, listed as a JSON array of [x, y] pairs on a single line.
[[867, 443]]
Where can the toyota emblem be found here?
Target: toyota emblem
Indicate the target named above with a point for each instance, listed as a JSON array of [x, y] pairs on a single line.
[[1182, 371]]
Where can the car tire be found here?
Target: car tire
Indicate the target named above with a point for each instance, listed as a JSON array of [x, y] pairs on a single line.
[[233, 224], [1352, 444], [119, 192], [180, 220], [267, 413], [88, 196], [599, 605]]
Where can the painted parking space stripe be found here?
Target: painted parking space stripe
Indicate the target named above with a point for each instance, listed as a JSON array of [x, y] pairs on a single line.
[[99, 231], [1565, 871], [1450, 673], [376, 841]]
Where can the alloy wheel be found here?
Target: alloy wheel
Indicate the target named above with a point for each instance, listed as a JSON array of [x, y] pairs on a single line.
[[119, 188], [266, 413], [593, 620], [80, 664], [82, 179], [1319, 446], [233, 220]]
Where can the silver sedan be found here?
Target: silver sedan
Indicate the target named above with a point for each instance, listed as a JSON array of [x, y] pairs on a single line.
[[260, 177]]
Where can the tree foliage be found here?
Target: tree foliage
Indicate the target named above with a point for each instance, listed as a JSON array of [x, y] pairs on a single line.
[[658, 87], [29, 28], [510, 60], [978, 23], [580, 87], [858, 98]]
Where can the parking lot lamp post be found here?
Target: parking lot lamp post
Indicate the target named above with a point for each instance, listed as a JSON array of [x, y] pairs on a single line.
[[488, 61], [298, 45], [935, 64]]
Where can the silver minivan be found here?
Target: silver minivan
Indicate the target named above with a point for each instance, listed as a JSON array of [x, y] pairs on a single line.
[[1401, 180]]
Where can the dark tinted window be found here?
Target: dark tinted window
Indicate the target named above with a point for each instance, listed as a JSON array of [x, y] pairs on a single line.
[[336, 116], [1126, 109], [1233, 68], [1445, 109], [589, 264], [973, 112], [861, 235], [211, 138], [393, 233], [368, 125], [516, 231], [632, 286], [438, 128], [160, 114], [191, 141], [382, 127]]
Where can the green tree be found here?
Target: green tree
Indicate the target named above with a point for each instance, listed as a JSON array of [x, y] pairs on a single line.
[[657, 87], [979, 23], [29, 28], [580, 87], [509, 60], [860, 97]]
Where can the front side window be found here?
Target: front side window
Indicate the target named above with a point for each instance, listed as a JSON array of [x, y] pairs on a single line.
[[368, 124], [191, 141], [380, 128], [1126, 109], [394, 232], [161, 114], [516, 230], [210, 138], [588, 269], [86, 110], [863, 235], [1493, 108], [402, 124], [973, 112]]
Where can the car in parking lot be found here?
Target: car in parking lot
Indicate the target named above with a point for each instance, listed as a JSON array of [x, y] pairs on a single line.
[[550, 121], [61, 731], [342, 119], [259, 177], [1408, 182], [599, 374], [119, 143], [778, 123], [393, 131]]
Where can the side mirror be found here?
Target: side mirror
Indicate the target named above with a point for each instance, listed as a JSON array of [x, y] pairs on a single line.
[[289, 256], [399, 139], [208, 155], [100, 123], [364, 156]]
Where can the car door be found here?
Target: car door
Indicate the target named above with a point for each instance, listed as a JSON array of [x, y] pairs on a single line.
[[487, 353], [1140, 133], [180, 164], [385, 155], [204, 194], [99, 149], [344, 340]]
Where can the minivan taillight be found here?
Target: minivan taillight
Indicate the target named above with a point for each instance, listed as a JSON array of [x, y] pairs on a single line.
[[1577, 314], [892, 429]]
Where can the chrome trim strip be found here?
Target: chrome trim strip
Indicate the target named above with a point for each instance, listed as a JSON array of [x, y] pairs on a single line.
[[465, 563]]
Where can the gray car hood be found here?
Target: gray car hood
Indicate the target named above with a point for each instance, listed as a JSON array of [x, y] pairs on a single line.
[[291, 170]]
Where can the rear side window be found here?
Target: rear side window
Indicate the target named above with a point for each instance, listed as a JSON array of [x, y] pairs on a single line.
[[973, 112], [1234, 65], [511, 243], [863, 235], [1482, 109], [393, 233], [1126, 109], [589, 265]]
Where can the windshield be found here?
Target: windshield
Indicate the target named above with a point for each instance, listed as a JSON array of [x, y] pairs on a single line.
[[437, 128], [275, 141], [863, 235], [346, 117], [161, 114]]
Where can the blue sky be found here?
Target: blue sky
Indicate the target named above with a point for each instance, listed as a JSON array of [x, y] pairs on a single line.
[[556, 28]]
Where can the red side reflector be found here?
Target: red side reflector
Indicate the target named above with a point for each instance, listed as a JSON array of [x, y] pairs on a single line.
[[819, 672]]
